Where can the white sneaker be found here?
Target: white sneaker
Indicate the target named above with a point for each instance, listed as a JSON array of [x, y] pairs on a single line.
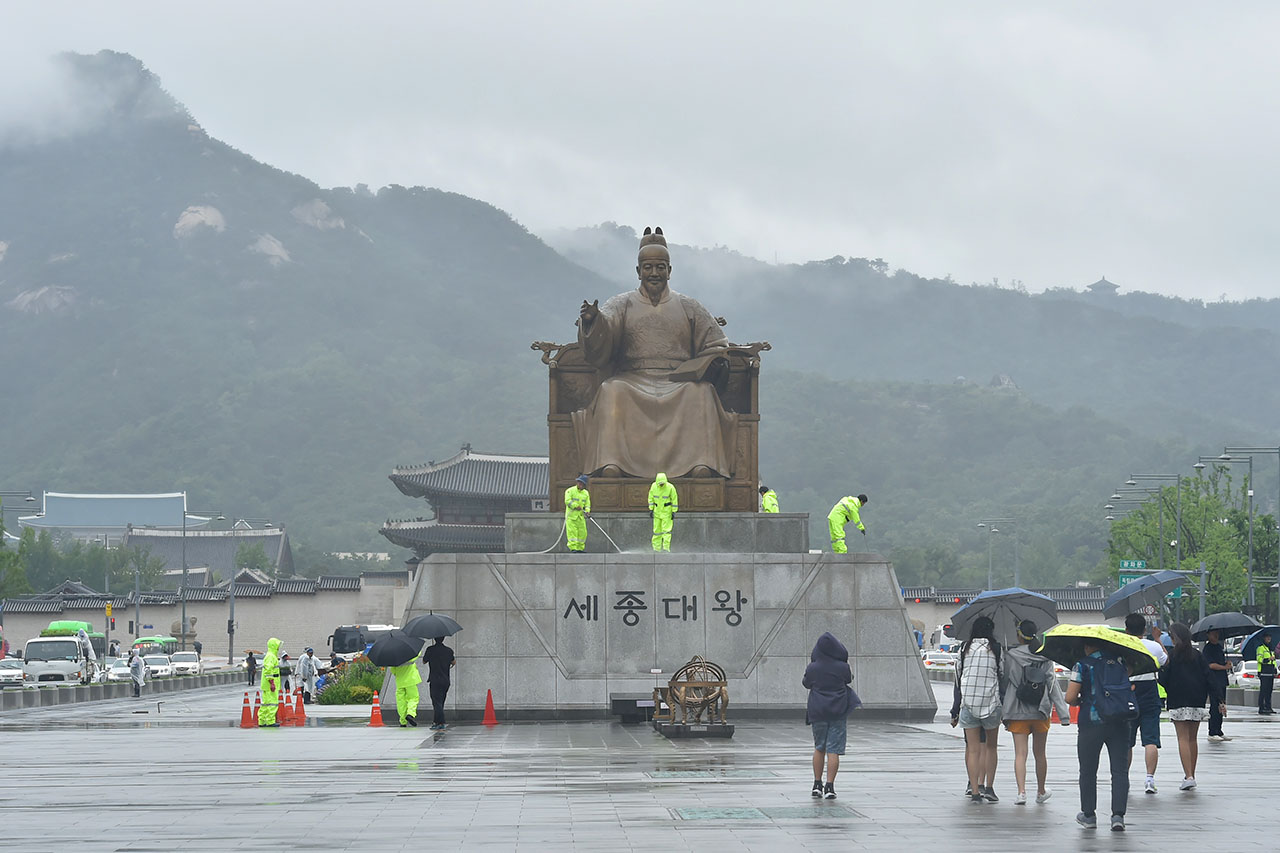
[[1041, 798], [1224, 737], [1151, 786], [1187, 784], [1215, 738], [1021, 799]]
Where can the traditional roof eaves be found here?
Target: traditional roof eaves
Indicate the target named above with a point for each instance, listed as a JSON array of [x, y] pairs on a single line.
[[509, 476]]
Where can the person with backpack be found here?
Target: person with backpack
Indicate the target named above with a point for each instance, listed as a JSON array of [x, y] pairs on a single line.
[[1186, 679], [976, 708], [1031, 691], [1146, 692], [1100, 686]]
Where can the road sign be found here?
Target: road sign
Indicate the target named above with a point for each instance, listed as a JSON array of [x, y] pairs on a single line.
[[1149, 610], [1133, 564], [108, 609]]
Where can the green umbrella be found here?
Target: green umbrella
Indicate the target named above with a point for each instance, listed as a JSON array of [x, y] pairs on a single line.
[[1065, 644]]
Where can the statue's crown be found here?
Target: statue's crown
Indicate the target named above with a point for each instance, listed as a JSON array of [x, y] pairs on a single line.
[[651, 237]]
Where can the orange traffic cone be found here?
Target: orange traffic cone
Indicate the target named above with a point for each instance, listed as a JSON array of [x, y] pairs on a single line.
[[257, 703], [490, 718], [375, 713], [246, 720], [299, 712], [283, 717]]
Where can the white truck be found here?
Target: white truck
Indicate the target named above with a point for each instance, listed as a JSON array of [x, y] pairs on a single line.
[[59, 660]]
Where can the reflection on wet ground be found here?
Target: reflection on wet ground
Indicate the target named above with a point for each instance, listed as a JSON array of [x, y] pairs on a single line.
[[194, 781]]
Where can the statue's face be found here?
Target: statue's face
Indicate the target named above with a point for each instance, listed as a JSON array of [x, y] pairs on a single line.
[[654, 271]]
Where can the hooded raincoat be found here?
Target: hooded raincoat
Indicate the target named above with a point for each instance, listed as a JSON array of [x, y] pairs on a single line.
[[577, 503], [842, 513], [270, 684], [407, 680], [828, 678], [664, 503]]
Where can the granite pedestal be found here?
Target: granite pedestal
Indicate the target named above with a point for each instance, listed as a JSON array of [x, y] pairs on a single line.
[[553, 635]]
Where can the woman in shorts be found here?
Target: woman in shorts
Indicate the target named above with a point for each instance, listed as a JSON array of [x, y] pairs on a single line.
[[1185, 679], [1027, 719], [977, 708], [830, 700]]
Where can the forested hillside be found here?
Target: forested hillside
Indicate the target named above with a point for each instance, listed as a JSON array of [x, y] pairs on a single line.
[[176, 315]]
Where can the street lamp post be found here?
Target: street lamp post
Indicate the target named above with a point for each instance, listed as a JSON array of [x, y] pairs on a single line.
[[231, 596], [200, 514], [1250, 451], [989, 524], [1133, 480], [1228, 459], [27, 497]]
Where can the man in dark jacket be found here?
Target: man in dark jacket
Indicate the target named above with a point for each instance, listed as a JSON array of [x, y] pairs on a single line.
[[1218, 669], [440, 659], [830, 700]]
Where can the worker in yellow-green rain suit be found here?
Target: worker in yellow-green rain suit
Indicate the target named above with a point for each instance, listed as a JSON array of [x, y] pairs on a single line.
[[768, 499], [841, 514], [577, 507], [664, 503], [407, 680], [270, 684]]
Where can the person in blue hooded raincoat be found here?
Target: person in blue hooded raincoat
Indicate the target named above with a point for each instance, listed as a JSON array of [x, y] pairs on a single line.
[[827, 678]]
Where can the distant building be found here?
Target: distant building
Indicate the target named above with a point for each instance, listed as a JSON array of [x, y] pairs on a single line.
[[1103, 287], [155, 522], [470, 495], [105, 518]]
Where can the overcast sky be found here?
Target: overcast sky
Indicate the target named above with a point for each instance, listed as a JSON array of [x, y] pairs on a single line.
[[1051, 143]]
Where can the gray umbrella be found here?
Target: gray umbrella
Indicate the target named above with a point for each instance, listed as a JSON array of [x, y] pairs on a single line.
[[1006, 608], [1138, 593], [428, 626]]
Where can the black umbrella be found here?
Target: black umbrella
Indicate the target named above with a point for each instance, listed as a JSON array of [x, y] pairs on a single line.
[[428, 626], [1148, 589], [395, 648], [1226, 624]]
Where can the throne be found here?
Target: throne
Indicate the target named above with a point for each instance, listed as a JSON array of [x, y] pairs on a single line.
[[573, 384]]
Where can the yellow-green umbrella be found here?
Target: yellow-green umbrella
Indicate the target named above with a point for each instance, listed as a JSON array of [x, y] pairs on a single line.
[[1065, 644]]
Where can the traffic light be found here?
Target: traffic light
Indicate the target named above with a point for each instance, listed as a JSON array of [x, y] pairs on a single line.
[[113, 623], [231, 626], [130, 626]]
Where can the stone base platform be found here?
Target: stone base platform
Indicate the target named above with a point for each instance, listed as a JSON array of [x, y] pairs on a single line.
[[676, 731], [694, 533], [555, 636]]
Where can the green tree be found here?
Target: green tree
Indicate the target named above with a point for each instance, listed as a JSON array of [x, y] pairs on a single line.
[[254, 556]]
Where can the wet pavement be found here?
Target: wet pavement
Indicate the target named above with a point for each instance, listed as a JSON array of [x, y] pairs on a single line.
[[181, 776]]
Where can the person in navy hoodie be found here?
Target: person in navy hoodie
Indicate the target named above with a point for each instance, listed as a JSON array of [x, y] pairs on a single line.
[[830, 700]]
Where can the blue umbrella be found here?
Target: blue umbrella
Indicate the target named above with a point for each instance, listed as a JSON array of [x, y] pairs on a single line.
[[1006, 608], [1249, 651], [1136, 594]]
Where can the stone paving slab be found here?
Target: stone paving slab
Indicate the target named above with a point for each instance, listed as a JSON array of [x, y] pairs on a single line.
[[195, 782]]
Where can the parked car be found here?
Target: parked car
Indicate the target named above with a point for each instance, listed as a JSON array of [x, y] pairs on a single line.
[[119, 670], [186, 663], [1244, 675], [158, 666], [10, 672], [939, 660]]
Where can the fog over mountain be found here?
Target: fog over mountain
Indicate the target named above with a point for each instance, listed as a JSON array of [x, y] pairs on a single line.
[[175, 314]]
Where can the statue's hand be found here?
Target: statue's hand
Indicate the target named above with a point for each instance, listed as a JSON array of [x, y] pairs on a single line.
[[588, 313]]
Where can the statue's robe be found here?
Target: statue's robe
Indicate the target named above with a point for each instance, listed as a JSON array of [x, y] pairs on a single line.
[[653, 412]]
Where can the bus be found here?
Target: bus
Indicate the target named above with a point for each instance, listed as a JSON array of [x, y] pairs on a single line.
[[155, 645], [943, 639], [347, 641]]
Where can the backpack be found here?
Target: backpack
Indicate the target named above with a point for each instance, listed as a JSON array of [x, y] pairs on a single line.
[[1034, 679], [1110, 692]]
